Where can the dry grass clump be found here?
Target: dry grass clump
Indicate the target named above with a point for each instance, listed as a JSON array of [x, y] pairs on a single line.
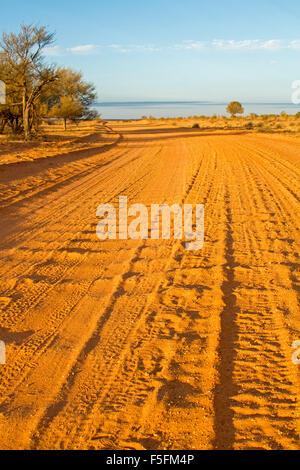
[[272, 123]]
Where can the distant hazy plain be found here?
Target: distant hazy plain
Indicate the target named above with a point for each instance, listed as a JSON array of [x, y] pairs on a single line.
[[135, 110]]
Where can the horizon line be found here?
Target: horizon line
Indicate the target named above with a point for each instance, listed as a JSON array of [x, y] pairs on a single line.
[[193, 102]]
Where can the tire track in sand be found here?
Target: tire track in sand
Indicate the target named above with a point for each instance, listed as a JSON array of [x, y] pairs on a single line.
[[159, 347]]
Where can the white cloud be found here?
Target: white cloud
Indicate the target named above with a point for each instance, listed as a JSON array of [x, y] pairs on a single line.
[[190, 45], [84, 49], [146, 48], [119, 48], [245, 45], [295, 44], [53, 51], [272, 44], [248, 44], [134, 47]]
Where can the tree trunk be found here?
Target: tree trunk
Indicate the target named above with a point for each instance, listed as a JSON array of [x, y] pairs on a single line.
[[65, 124], [26, 123], [2, 125], [26, 116], [31, 118]]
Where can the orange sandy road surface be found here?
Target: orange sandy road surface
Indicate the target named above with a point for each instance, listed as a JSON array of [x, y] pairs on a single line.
[[140, 344]]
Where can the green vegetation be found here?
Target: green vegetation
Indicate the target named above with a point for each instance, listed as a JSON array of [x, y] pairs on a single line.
[[235, 108], [35, 89]]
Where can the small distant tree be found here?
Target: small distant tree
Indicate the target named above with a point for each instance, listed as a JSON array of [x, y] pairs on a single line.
[[70, 97], [235, 108], [68, 108]]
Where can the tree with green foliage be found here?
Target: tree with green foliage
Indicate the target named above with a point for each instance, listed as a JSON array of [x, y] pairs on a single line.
[[68, 108], [22, 67], [234, 108], [70, 97], [36, 90]]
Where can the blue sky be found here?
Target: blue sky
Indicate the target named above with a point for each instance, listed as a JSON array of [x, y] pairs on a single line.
[[171, 49]]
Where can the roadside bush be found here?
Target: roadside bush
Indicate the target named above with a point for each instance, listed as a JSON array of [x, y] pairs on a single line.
[[195, 125]]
